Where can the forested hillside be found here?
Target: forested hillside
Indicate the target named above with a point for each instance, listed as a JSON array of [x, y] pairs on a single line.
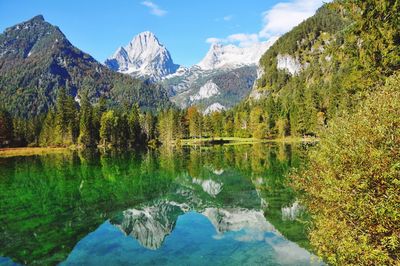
[[323, 67], [37, 60]]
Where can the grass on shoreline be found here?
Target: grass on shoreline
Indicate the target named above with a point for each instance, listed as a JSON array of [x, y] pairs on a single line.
[[29, 151]]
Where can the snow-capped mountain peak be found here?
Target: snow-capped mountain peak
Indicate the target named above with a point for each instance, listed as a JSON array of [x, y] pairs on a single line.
[[219, 55], [144, 57]]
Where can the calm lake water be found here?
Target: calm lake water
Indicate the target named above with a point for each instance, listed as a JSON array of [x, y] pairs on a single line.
[[220, 205]]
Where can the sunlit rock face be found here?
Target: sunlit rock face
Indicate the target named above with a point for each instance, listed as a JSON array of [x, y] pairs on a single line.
[[152, 224], [290, 213], [209, 186], [206, 91], [289, 64], [143, 57], [215, 107]]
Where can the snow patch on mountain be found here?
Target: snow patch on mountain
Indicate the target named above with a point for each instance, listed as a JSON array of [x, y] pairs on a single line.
[[206, 91], [219, 56], [145, 57]]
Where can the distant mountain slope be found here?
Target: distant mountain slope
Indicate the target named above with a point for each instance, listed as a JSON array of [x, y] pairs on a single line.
[[231, 68], [204, 88], [36, 60]]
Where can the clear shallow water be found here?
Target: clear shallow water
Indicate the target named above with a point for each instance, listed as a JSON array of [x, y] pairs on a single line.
[[206, 206]]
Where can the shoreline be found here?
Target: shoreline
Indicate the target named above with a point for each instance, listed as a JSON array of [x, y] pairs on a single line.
[[239, 141], [29, 151]]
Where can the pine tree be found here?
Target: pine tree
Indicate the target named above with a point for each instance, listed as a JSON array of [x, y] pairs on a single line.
[[86, 134], [229, 126], [6, 128], [217, 124], [98, 111], [195, 120], [66, 120], [148, 123], [48, 132], [134, 125], [106, 128]]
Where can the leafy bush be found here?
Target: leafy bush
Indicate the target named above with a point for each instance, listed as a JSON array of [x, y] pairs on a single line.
[[352, 185]]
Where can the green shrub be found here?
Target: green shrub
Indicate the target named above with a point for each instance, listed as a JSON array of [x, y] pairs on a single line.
[[352, 184]]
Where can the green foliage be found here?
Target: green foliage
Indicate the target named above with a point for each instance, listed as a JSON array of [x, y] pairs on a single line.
[[86, 135], [6, 128], [344, 51], [195, 120], [134, 125], [170, 126], [352, 184], [47, 133], [66, 124]]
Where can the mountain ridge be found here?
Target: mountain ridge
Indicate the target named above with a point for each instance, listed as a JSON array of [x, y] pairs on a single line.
[[146, 58], [37, 60]]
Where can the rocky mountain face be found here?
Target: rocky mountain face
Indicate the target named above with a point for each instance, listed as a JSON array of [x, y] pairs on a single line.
[[220, 87], [230, 56], [220, 80], [36, 60], [144, 57]]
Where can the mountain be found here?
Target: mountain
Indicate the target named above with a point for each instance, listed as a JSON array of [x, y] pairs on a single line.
[[144, 57], [298, 86], [36, 60], [220, 80], [222, 87], [219, 56], [322, 68]]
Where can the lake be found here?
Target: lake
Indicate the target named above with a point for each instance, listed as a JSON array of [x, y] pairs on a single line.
[[215, 205]]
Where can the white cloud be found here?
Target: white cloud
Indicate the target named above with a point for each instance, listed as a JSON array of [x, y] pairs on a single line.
[[224, 18], [154, 9], [241, 39], [280, 19], [284, 16], [228, 18], [213, 40]]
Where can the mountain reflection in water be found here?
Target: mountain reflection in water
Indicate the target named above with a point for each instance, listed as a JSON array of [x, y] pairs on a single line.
[[191, 206]]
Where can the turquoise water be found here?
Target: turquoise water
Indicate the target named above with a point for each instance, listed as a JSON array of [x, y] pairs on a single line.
[[221, 205]]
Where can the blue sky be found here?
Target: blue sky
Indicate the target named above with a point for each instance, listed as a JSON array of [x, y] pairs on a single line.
[[185, 27]]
